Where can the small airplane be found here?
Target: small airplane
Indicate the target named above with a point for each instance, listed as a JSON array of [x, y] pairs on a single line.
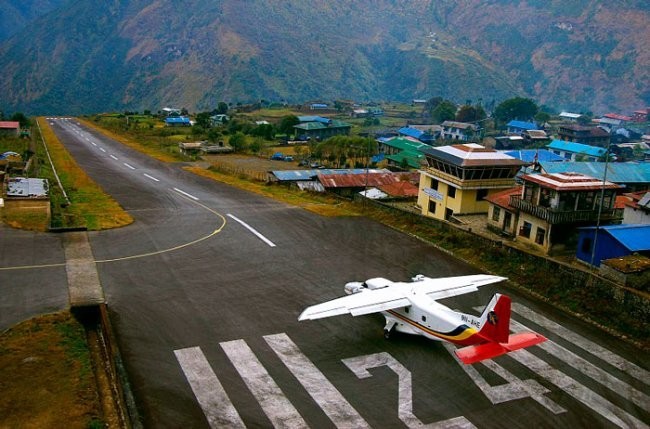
[[411, 307]]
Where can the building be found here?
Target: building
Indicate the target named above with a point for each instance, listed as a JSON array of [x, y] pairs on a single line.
[[637, 208], [178, 121], [402, 152], [612, 241], [614, 120], [572, 151], [518, 127], [531, 156], [632, 176], [641, 115], [462, 131], [11, 128], [551, 206], [595, 136], [319, 128], [422, 133], [456, 179], [570, 117], [502, 217], [535, 138]]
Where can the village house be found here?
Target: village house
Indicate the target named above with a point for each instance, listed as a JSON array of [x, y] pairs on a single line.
[[637, 208], [456, 179], [583, 134], [641, 115], [597, 244], [402, 152], [178, 121], [320, 128], [569, 117], [572, 151], [549, 207], [518, 127], [462, 131], [632, 176], [10, 128]]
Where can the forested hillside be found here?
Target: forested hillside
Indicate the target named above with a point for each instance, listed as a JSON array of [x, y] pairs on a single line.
[[84, 56]]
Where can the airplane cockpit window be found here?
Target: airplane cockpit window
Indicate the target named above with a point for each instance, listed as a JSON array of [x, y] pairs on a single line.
[[424, 318]]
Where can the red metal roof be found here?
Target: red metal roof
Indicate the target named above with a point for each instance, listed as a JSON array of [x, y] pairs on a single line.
[[356, 180], [400, 189], [502, 199], [10, 124], [617, 116]]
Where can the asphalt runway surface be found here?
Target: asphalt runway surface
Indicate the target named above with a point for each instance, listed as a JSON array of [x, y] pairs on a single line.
[[205, 289]]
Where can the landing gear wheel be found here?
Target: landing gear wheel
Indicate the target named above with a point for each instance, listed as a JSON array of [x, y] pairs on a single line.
[[386, 334]]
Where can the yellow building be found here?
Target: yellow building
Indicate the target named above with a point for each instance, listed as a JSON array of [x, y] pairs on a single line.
[[458, 178]]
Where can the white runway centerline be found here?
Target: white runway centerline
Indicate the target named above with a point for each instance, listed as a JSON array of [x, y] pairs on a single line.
[[253, 230], [151, 177]]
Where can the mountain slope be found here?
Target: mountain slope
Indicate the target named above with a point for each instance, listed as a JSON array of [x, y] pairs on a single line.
[[144, 54]]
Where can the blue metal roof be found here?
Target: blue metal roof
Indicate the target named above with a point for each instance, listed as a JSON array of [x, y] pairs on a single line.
[[523, 125], [528, 155], [314, 119], [617, 172], [177, 120], [635, 237], [577, 148], [289, 175], [411, 132]]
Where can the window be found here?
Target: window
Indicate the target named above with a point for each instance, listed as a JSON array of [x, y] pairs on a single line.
[[452, 192], [406, 309], [424, 318], [434, 184], [525, 230], [496, 212], [539, 236], [432, 206], [481, 194]]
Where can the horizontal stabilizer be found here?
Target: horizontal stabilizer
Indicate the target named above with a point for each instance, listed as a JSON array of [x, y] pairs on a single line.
[[473, 354]]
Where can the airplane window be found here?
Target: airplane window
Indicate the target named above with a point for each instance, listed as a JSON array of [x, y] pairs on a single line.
[[406, 309], [424, 318]]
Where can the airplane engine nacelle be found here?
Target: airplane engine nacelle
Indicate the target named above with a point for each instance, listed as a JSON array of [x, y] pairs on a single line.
[[354, 287], [378, 283]]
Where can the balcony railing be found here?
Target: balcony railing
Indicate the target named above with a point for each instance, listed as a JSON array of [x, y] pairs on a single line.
[[554, 216]]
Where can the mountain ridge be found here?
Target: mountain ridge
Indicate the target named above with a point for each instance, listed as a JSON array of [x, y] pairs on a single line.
[[139, 54]]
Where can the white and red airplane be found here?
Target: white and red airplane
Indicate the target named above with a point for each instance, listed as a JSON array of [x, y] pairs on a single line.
[[412, 308]]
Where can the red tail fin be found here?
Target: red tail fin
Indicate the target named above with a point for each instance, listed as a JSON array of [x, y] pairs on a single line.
[[495, 320]]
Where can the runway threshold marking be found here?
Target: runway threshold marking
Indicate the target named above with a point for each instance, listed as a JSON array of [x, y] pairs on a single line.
[[275, 405], [251, 229], [209, 392], [337, 408]]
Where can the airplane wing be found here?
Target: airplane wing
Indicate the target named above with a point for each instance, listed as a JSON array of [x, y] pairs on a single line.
[[452, 286], [370, 301]]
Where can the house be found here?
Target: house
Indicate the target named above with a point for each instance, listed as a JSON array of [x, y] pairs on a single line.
[[347, 185], [595, 136], [632, 176], [551, 206], [531, 156], [455, 180], [613, 120], [502, 217], [400, 151], [178, 121], [319, 128], [612, 241], [11, 128], [518, 127], [535, 138], [569, 117], [318, 106], [425, 134], [571, 151], [641, 115], [170, 111], [452, 130], [508, 142], [216, 120], [637, 208]]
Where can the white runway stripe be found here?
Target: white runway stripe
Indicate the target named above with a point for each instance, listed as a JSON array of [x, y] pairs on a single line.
[[337, 408], [275, 405], [590, 370], [208, 390], [593, 348], [251, 229]]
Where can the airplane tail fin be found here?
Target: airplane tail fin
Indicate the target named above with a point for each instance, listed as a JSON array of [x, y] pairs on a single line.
[[495, 329], [495, 320]]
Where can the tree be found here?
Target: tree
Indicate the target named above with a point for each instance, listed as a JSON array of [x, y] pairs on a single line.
[[21, 118], [203, 120], [287, 123], [468, 113], [542, 117], [516, 108], [238, 141], [444, 111], [222, 108]]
